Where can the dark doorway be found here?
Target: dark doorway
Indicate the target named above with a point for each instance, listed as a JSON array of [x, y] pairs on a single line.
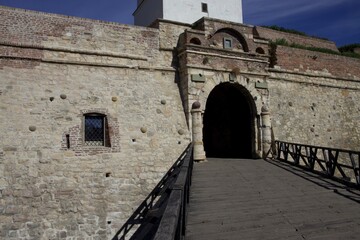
[[229, 122]]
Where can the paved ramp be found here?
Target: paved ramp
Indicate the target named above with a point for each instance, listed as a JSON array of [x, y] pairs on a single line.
[[257, 199]]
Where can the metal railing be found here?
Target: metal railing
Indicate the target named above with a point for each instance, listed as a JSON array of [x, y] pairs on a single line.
[[162, 214], [339, 164]]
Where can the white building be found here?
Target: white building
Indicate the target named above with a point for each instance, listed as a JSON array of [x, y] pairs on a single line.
[[187, 11]]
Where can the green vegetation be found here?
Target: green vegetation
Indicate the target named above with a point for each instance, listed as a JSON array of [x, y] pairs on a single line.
[[272, 52], [283, 42], [293, 31], [282, 29], [351, 54], [349, 49]]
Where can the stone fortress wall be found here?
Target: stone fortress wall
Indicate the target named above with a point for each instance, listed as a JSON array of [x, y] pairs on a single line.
[[54, 69], [314, 96]]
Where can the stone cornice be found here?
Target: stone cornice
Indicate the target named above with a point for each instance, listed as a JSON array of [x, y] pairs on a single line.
[[78, 51]]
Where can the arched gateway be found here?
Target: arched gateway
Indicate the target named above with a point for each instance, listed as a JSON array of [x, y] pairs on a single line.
[[229, 122]]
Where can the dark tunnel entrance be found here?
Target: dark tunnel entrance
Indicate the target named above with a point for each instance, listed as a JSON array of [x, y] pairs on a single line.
[[229, 122]]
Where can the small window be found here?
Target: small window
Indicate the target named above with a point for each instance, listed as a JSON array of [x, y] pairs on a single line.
[[260, 50], [195, 41], [204, 7], [95, 130], [227, 43]]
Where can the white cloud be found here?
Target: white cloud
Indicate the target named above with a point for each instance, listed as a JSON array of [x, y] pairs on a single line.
[[269, 10], [345, 30]]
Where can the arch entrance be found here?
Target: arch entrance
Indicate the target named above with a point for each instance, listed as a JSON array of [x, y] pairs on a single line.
[[229, 117]]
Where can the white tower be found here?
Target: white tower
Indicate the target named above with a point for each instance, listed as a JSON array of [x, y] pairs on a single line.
[[187, 11]]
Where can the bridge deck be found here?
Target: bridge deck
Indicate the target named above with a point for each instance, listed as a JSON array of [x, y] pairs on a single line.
[[257, 199]]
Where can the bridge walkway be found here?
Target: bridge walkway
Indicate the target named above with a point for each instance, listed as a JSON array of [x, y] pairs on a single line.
[[258, 199]]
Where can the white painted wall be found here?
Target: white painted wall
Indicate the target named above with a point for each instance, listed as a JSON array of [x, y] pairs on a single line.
[[188, 11], [148, 11]]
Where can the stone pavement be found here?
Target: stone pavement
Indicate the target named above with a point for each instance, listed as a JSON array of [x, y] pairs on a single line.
[[258, 199]]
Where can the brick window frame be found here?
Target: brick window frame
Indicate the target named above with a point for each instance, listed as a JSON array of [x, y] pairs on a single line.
[[73, 139], [96, 130]]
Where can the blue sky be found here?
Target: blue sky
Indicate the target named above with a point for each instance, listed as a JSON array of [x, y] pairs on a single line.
[[337, 20]]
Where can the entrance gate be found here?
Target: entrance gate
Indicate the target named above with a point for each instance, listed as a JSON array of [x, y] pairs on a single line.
[[229, 122]]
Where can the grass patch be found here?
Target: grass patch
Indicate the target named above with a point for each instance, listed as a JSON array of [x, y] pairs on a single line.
[[293, 31], [282, 29]]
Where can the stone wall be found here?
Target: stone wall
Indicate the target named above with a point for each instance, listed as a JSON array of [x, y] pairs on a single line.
[[273, 35], [306, 61], [315, 110], [315, 98], [53, 70], [57, 31]]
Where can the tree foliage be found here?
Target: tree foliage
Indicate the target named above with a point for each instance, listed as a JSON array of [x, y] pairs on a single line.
[[283, 42], [349, 48]]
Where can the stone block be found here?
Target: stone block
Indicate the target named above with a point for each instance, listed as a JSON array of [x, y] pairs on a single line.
[[261, 85], [197, 78], [11, 210], [13, 234]]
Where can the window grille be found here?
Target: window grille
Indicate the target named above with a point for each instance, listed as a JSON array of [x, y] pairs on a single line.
[[95, 130]]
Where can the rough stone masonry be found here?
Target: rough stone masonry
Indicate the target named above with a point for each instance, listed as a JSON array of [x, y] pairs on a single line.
[[56, 70]]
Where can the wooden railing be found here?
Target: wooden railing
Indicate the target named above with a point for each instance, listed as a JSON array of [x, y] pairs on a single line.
[[162, 214], [339, 164]]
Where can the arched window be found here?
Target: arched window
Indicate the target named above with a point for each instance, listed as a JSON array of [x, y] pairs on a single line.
[[96, 130], [195, 41], [231, 39], [260, 50]]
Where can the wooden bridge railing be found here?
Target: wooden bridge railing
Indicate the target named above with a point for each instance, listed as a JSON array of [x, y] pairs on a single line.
[[162, 214], [342, 165]]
